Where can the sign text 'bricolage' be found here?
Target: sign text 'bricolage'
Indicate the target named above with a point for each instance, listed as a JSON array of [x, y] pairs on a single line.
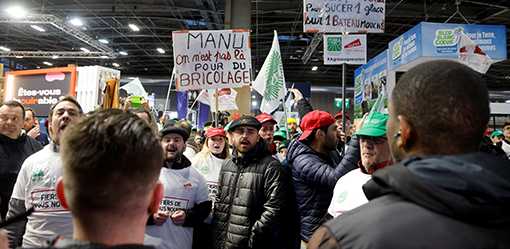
[[211, 59]]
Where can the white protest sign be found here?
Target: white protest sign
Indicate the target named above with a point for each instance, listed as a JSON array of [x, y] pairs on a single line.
[[349, 49], [334, 16], [211, 59]]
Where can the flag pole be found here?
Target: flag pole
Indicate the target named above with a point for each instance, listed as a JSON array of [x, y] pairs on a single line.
[[217, 115], [343, 91], [169, 88]]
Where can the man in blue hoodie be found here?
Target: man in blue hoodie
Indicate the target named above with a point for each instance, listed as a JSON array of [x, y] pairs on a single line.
[[442, 193]]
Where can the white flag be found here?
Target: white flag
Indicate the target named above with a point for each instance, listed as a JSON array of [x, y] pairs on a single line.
[[226, 99], [472, 55], [135, 88], [270, 81]]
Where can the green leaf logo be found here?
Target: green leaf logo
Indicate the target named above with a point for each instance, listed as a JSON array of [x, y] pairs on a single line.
[[274, 74], [334, 44]]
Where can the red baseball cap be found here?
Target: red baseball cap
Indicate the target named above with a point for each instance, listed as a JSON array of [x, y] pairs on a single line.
[[264, 117], [339, 116], [314, 120], [211, 132]]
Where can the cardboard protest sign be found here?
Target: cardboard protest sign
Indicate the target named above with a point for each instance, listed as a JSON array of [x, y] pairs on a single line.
[[333, 16], [211, 59]]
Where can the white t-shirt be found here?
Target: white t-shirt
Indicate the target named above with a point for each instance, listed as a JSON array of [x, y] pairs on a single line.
[[36, 186], [506, 148], [189, 153], [348, 193], [209, 167], [183, 189]]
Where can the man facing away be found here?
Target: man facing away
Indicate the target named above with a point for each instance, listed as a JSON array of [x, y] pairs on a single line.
[[35, 186], [442, 193], [111, 163]]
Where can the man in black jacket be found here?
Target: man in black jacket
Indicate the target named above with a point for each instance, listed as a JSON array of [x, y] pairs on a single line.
[[15, 147], [443, 193], [314, 171], [254, 207]]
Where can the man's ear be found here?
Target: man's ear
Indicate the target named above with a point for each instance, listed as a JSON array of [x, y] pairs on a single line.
[[157, 196], [406, 133], [60, 193]]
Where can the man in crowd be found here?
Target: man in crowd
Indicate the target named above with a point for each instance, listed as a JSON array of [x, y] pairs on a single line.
[[31, 127], [313, 171], [497, 137], [15, 147], [375, 154], [254, 207], [35, 186], [266, 131], [110, 185], [185, 203], [443, 193], [505, 145], [292, 126]]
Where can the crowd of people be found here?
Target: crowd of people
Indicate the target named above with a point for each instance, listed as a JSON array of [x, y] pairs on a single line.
[[423, 174]]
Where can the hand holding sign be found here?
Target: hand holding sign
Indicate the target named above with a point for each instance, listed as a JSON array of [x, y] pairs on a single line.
[[160, 217], [178, 217]]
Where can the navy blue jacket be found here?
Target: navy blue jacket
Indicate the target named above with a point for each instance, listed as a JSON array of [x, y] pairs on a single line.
[[314, 176]]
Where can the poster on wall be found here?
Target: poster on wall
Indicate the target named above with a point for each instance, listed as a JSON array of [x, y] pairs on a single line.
[[370, 82], [211, 59], [333, 16], [40, 89], [348, 49]]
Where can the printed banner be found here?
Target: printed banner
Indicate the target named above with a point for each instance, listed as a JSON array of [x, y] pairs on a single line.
[[46, 201], [348, 49], [333, 16], [211, 59], [172, 204]]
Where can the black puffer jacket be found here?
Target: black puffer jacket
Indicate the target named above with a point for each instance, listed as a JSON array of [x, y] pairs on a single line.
[[314, 176], [255, 206], [457, 201]]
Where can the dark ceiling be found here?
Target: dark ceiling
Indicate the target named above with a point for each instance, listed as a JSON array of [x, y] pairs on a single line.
[[108, 19]]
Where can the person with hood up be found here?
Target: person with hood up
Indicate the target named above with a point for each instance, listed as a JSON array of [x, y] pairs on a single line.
[[443, 192]]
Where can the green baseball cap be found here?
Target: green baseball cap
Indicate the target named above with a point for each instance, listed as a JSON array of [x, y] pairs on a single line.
[[496, 133], [282, 134], [374, 125]]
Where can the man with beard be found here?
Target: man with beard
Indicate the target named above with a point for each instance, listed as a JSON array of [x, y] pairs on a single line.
[[266, 131], [15, 147], [185, 202], [314, 172], [254, 206], [442, 193], [35, 186]]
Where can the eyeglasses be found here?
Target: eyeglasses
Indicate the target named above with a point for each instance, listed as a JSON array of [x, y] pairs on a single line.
[[373, 140]]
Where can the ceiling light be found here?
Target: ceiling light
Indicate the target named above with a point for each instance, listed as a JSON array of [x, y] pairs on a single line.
[[160, 50], [133, 27], [104, 41], [103, 57], [38, 67], [16, 12], [123, 53], [116, 64], [85, 50], [5, 49], [254, 103], [76, 22], [38, 28], [55, 57], [47, 63], [19, 57], [314, 68]]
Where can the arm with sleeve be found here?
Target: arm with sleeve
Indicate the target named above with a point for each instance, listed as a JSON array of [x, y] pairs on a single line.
[[17, 206], [203, 206]]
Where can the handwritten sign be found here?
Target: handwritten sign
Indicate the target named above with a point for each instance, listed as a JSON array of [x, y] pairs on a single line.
[[211, 59], [335, 16]]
